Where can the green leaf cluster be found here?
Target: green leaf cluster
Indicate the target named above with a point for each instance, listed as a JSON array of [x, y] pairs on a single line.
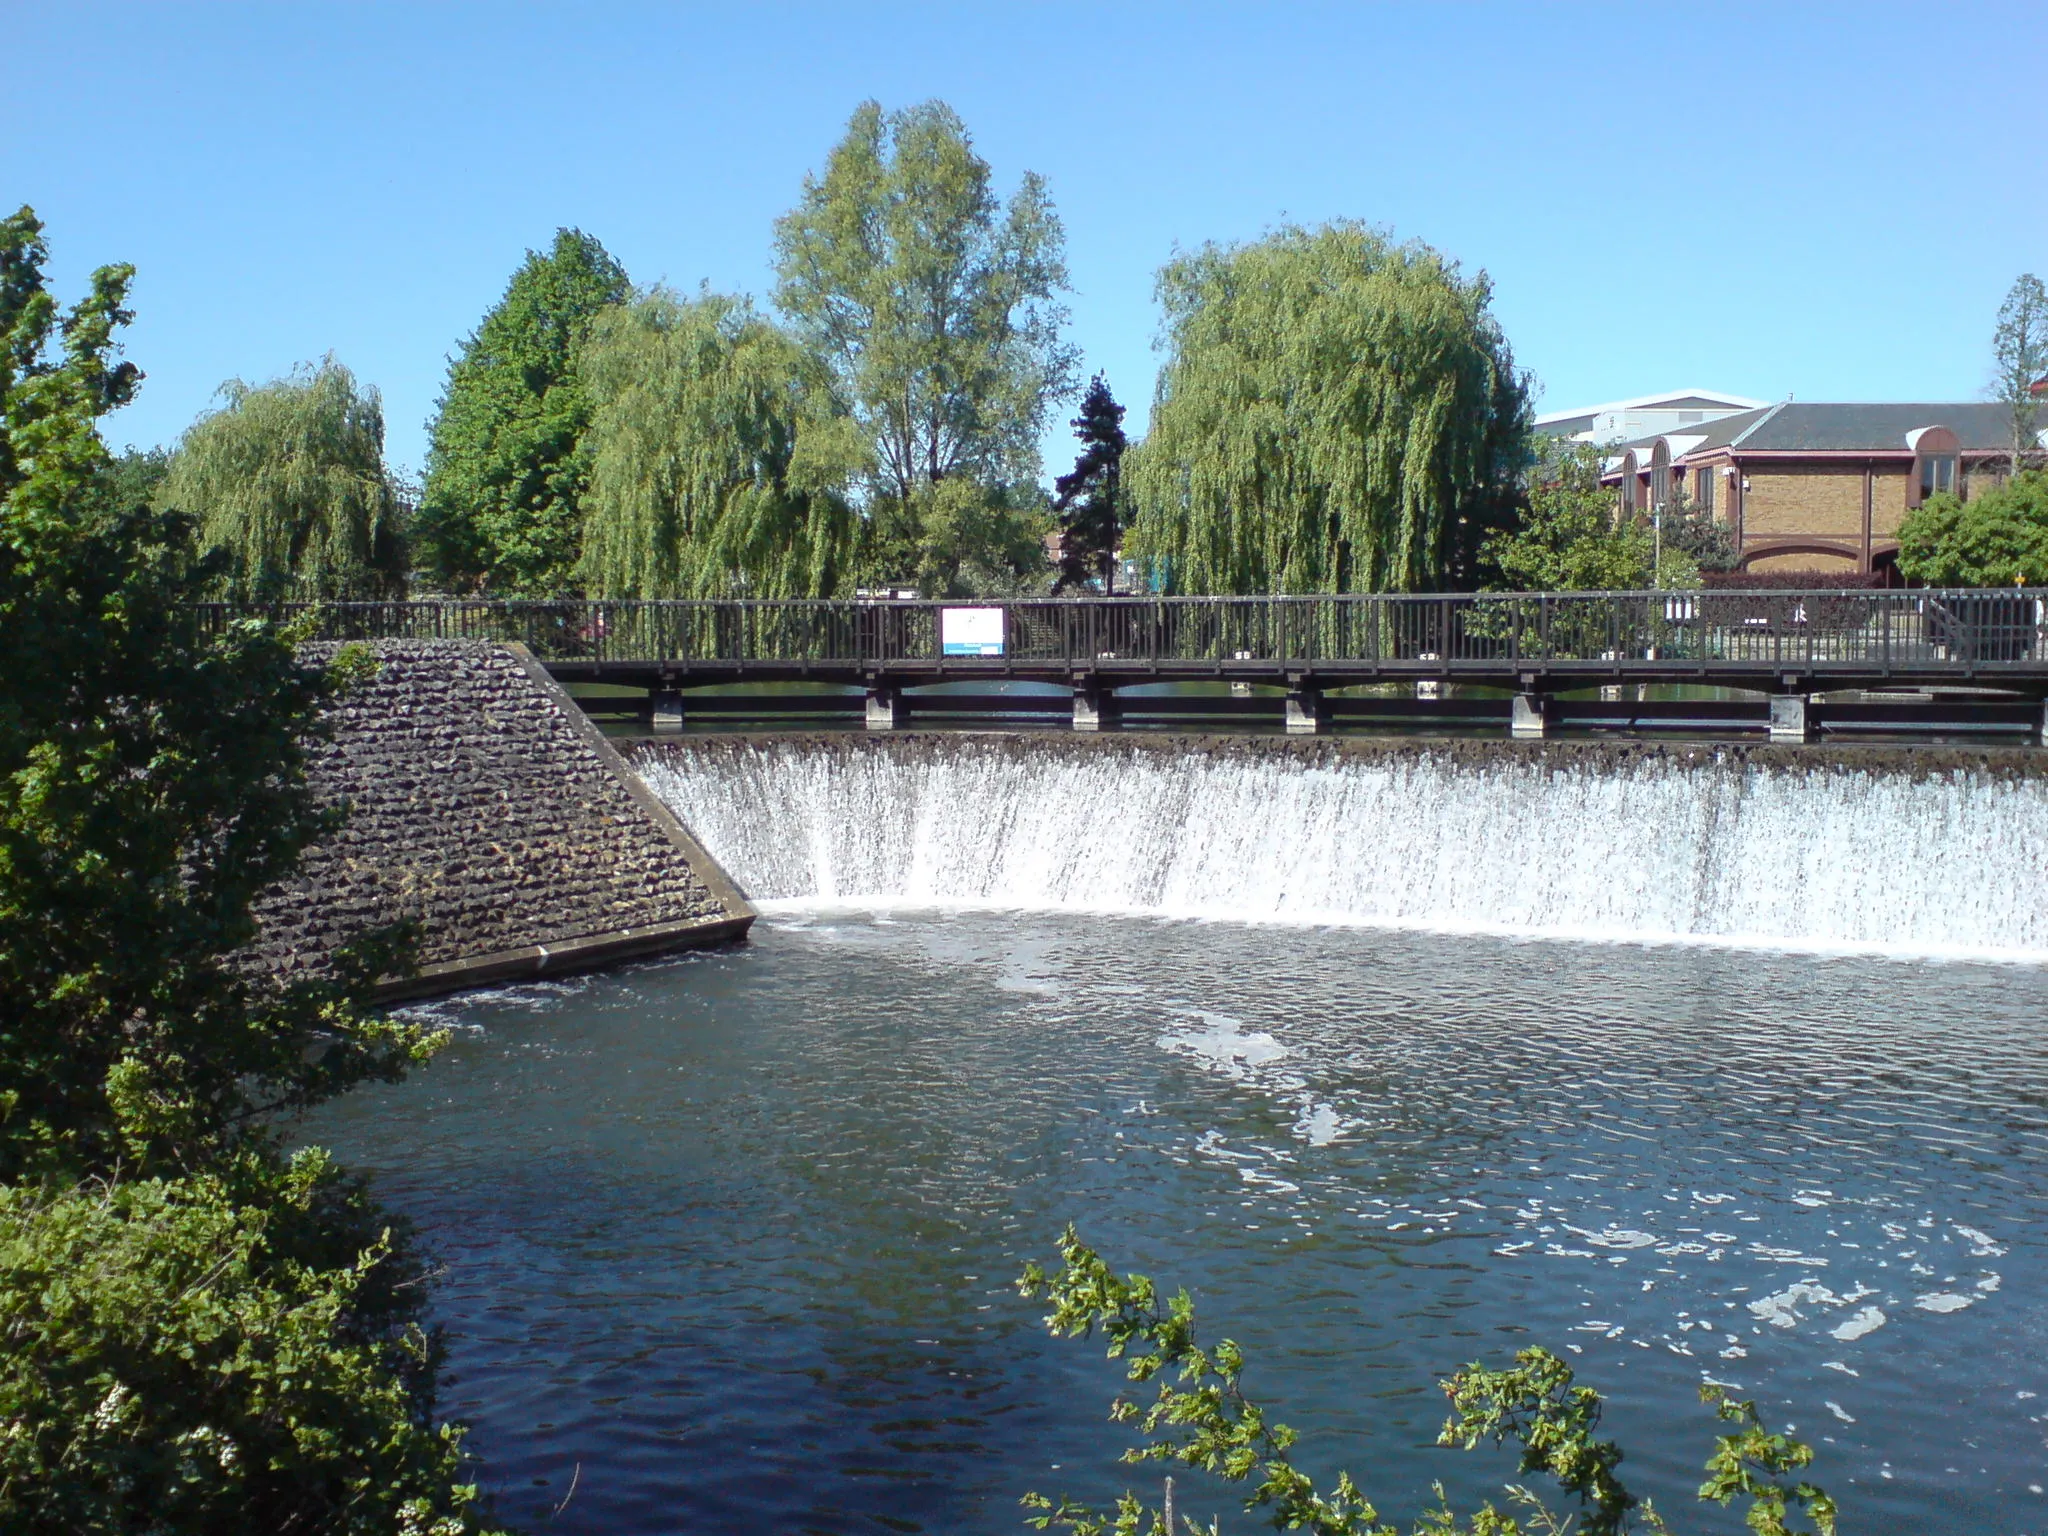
[[1996, 539], [507, 465], [288, 480], [719, 463], [1336, 413], [1200, 1417], [199, 1332]]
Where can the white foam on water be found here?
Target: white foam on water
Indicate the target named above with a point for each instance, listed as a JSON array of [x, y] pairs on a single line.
[[1865, 1320], [1943, 1301], [1648, 851]]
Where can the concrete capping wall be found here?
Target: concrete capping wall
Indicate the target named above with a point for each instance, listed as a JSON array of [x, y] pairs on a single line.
[[487, 807]]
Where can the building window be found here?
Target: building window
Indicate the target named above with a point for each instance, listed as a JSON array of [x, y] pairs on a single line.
[[1937, 475], [1690, 418], [1703, 495]]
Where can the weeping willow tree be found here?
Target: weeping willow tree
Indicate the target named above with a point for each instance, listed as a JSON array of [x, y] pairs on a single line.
[[288, 478], [1337, 413], [718, 462]]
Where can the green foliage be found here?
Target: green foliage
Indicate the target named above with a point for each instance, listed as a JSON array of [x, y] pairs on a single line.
[[933, 304], [217, 1353], [1091, 505], [958, 538], [718, 460], [1571, 537], [1337, 413], [2019, 360], [502, 510], [1200, 1417], [51, 398], [1697, 539], [1992, 540], [288, 479], [196, 1334], [1751, 1463]]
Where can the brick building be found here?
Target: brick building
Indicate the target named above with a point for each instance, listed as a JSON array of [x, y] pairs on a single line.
[[1814, 487]]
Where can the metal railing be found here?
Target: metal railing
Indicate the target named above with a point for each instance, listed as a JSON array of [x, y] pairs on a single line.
[[1874, 630]]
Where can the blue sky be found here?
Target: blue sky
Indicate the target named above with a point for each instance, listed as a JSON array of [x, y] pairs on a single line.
[[1828, 201]]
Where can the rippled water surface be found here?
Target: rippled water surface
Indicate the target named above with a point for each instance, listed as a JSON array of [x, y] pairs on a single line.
[[728, 1239]]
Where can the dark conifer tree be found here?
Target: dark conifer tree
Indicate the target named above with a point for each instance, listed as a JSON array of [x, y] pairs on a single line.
[[1090, 504]]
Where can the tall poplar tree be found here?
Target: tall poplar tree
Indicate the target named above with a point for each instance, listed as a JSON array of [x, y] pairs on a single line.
[[719, 464], [2019, 353], [288, 480], [502, 509], [1337, 413], [935, 304]]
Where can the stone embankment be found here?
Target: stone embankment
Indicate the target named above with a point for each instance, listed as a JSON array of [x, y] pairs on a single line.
[[484, 806]]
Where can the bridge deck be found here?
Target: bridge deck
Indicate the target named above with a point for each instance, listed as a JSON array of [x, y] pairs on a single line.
[[1768, 642]]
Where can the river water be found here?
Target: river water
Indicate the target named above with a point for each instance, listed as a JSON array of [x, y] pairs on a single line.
[[728, 1238]]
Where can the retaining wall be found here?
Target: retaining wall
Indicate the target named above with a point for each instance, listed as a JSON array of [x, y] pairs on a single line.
[[485, 806]]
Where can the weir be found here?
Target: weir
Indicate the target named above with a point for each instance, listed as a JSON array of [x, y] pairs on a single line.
[[1911, 851]]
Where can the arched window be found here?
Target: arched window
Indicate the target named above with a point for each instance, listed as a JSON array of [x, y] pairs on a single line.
[[1630, 476], [1660, 473], [1936, 453]]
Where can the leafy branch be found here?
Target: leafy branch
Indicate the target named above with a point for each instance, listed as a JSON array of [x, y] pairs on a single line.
[[1200, 1417]]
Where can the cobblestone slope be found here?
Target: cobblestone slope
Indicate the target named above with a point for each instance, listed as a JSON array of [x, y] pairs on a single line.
[[484, 806]]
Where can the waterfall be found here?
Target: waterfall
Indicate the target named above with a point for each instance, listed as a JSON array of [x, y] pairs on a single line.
[[1732, 844]]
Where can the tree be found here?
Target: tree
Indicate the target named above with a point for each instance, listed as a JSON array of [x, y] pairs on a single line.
[[933, 304], [2019, 351], [288, 479], [507, 466], [1695, 537], [1090, 502], [201, 1333], [719, 462], [1208, 1422], [1336, 413], [1571, 536], [1994, 539]]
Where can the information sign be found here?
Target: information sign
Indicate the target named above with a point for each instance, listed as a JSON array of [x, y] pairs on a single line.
[[971, 631]]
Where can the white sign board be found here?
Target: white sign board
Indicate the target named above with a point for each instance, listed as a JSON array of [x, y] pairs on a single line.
[[971, 631]]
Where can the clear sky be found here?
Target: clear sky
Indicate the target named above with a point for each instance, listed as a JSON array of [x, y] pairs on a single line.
[[1827, 201]]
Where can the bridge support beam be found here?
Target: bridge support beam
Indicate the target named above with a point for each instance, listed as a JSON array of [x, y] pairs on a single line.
[[1307, 713], [1792, 719], [665, 709], [1530, 715], [1096, 708], [886, 709]]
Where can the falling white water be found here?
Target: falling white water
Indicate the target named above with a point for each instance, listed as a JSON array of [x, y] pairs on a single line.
[[1647, 849]]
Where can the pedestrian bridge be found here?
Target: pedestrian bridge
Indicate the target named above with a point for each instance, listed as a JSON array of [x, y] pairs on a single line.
[[1781, 648]]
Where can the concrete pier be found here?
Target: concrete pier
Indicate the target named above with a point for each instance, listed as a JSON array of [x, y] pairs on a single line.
[[1792, 719], [886, 710], [1307, 714], [1095, 708], [1530, 716], [666, 710]]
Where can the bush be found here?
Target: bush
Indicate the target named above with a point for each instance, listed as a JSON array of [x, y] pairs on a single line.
[[237, 1351], [1997, 539]]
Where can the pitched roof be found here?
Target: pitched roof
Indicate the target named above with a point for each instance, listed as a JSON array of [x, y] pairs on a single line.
[[1581, 417], [1813, 427]]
